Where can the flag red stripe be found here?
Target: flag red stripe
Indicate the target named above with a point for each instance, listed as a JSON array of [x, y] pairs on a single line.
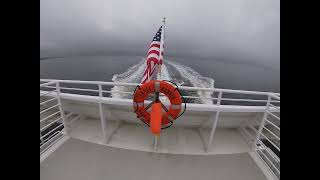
[[154, 51], [154, 45], [155, 60]]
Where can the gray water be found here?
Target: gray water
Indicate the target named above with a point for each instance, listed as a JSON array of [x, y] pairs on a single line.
[[103, 68]]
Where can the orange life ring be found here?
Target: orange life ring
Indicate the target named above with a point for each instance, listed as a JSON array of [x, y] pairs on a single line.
[[154, 86]]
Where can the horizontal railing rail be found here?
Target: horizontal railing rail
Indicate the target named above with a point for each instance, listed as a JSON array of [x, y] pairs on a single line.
[[52, 139], [47, 83], [180, 87], [209, 96]]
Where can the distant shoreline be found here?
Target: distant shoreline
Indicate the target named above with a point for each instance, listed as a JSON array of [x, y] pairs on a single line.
[[46, 58]]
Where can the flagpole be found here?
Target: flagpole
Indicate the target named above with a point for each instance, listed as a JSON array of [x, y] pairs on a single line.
[[161, 48], [156, 137]]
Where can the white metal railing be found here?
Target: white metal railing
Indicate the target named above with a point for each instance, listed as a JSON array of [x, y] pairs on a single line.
[[266, 136], [96, 91], [51, 115], [266, 133]]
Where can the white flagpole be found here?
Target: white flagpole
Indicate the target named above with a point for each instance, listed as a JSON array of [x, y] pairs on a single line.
[[161, 48], [158, 77]]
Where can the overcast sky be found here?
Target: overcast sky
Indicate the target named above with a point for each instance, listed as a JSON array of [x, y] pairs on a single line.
[[244, 31]]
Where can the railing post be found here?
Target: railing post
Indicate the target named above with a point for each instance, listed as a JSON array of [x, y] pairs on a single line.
[[66, 128], [41, 138], [214, 123], [263, 121], [102, 115]]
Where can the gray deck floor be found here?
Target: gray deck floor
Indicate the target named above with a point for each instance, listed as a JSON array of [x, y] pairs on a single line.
[[79, 160]]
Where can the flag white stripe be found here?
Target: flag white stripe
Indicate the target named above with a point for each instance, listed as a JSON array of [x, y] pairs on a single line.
[[154, 48], [153, 55], [154, 42]]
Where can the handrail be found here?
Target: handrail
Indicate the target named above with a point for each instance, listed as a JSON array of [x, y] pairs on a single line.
[[202, 97], [48, 83], [47, 93], [272, 124], [45, 135], [273, 115], [187, 97], [48, 117], [275, 95], [278, 171], [275, 106], [50, 142], [48, 125], [47, 109], [191, 106], [272, 133], [42, 103]]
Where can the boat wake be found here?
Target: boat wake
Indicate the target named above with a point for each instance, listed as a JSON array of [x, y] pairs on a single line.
[[172, 71]]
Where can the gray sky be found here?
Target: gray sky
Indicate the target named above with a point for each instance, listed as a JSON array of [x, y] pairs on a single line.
[[244, 31]]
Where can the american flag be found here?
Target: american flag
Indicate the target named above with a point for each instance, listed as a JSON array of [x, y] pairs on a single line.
[[154, 56]]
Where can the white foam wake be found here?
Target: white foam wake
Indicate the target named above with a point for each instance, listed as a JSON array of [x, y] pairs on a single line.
[[196, 80], [172, 71], [133, 75]]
